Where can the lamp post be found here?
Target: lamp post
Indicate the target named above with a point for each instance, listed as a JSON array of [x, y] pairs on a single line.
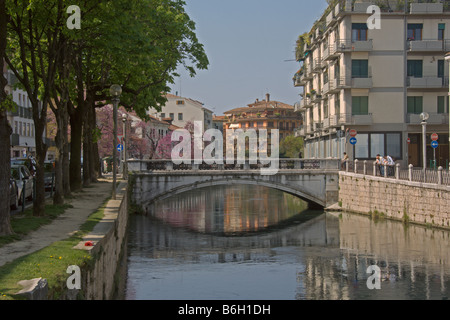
[[116, 91], [447, 58], [424, 117], [125, 145]]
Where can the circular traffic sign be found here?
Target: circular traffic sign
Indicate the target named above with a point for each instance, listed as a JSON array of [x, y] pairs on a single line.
[[434, 144], [353, 133], [435, 137], [120, 148], [408, 140], [353, 141]]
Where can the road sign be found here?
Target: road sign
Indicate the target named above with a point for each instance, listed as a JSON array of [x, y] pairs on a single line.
[[435, 137], [120, 148], [353, 133], [434, 144], [353, 141], [408, 140]]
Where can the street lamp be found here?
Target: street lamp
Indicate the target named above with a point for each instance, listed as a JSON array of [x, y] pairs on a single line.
[[125, 145], [115, 91], [424, 116], [447, 58]]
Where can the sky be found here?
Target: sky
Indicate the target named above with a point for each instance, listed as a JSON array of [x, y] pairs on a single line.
[[247, 43]]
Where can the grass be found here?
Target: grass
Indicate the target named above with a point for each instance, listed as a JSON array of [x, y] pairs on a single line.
[[22, 224], [51, 262]]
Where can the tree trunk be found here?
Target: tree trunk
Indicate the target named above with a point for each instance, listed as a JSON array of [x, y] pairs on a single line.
[[58, 197], [86, 146], [5, 132], [76, 125], [41, 152], [65, 156]]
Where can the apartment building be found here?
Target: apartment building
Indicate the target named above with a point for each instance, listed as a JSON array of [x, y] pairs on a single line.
[[375, 81], [21, 120], [183, 110], [264, 114]]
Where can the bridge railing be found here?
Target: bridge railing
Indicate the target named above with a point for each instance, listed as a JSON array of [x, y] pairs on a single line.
[[283, 164], [434, 176]]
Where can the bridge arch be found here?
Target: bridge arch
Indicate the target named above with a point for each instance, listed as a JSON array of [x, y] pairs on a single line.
[[311, 199]]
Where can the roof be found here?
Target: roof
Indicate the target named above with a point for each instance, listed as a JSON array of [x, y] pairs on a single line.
[[262, 106], [220, 118]]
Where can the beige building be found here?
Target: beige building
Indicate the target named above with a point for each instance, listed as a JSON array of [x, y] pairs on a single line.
[[183, 110], [375, 81]]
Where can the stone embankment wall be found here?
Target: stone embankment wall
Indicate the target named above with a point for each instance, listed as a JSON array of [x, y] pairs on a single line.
[[99, 281], [415, 202]]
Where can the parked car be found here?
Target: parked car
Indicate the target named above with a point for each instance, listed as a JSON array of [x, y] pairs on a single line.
[[49, 175], [27, 162], [14, 194], [22, 175]]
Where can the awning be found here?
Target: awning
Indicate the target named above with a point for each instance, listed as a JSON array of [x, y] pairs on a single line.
[[234, 126]]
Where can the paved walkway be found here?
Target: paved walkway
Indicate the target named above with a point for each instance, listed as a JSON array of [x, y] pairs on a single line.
[[84, 204]]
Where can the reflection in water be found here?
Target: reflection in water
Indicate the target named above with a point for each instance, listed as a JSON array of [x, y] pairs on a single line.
[[228, 209], [324, 257]]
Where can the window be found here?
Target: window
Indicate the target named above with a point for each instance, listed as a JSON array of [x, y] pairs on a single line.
[[172, 116], [376, 144], [415, 68], [180, 117], [359, 32], [415, 105], [270, 124], [360, 106], [371, 144], [362, 147], [440, 70], [180, 102], [163, 115], [441, 104], [360, 68], [415, 31], [441, 31]]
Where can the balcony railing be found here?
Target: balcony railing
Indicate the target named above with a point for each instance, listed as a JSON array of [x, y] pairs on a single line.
[[432, 45], [317, 66], [362, 119], [362, 82], [435, 118], [338, 120], [427, 82], [347, 45]]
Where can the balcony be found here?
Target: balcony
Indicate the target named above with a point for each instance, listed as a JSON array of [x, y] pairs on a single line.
[[317, 66], [338, 120], [427, 82], [429, 45], [300, 132], [317, 126], [305, 103], [426, 8], [435, 118], [299, 80], [330, 53], [362, 83], [338, 84], [353, 46], [362, 119]]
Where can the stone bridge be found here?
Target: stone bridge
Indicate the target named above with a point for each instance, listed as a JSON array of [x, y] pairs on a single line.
[[314, 180]]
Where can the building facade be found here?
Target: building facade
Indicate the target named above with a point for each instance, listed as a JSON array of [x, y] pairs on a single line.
[[375, 81], [23, 142], [183, 110], [264, 114]]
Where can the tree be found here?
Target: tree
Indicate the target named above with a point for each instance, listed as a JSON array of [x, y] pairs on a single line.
[[291, 146], [35, 33], [5, 132]]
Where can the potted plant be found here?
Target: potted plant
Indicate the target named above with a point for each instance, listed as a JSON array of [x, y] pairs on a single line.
[[258, 114]]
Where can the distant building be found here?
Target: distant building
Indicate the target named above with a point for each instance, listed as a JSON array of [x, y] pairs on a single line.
[[183, 110], [264, 114], [23, 142], [219, 122]]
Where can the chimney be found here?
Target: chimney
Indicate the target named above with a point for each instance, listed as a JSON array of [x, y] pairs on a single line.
[[267, 97]]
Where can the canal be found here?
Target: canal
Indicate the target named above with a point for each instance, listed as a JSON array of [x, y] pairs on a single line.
[[241, 242]]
